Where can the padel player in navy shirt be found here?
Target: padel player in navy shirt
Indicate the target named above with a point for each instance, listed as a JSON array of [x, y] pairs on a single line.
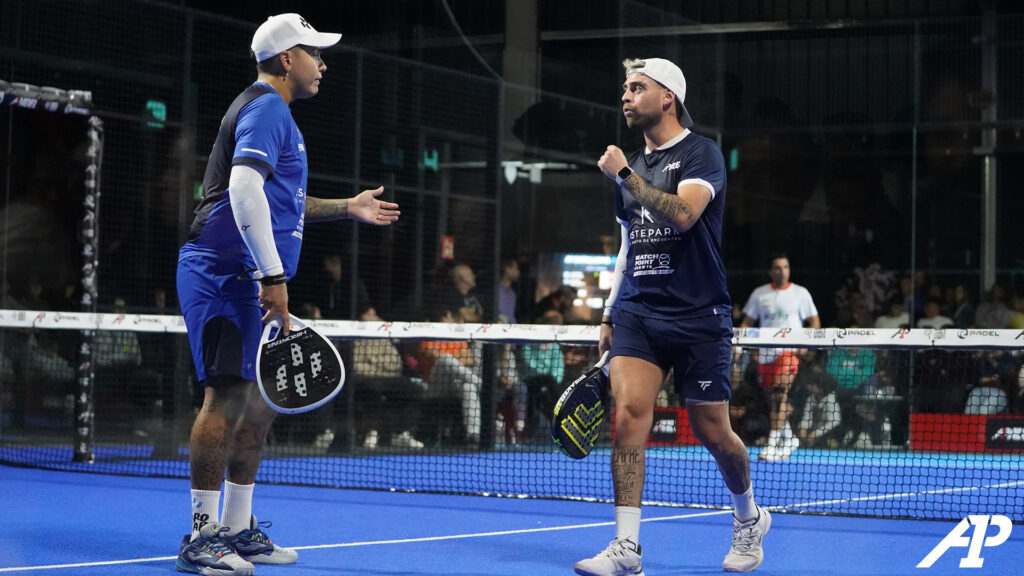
[[242, 248], [669, 308]]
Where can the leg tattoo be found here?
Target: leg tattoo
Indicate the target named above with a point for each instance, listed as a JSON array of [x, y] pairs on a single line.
[[628, 470]]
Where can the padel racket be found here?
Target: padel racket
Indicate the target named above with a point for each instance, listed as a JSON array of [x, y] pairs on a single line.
[[580, 411], [298, 372]]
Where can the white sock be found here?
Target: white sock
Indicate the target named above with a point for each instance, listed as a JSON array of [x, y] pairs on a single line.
[[773, 437], [744, 507], [787, 432], [205, 507], [627, 523], [237, 507]]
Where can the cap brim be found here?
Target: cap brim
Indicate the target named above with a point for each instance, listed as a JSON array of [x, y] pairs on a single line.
[[685, 121], [321, 39]]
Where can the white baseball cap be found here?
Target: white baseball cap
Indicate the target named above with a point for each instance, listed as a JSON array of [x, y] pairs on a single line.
[[665, 73], [285, 31]]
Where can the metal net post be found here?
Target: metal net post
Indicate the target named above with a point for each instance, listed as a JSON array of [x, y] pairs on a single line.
[[84, 412]]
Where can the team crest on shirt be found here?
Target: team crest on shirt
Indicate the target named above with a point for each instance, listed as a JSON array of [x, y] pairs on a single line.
[[645, 215]]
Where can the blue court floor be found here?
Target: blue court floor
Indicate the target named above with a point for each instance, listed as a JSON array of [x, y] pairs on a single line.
[[87, 524]]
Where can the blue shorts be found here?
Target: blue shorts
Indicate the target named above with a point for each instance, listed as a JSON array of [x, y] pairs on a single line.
[[223, 317], [698, 349]]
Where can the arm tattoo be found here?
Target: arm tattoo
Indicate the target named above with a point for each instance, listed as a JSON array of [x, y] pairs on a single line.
[[628, 470], [669, 208], [321, 210]]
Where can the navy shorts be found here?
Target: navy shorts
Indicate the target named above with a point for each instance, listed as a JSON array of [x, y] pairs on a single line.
[[698, 349], [223, 317]]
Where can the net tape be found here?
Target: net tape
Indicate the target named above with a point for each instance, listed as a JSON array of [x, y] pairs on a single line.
[[918, 338]]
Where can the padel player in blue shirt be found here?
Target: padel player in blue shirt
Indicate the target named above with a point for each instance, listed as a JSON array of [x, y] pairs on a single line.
[[242, 248], [669, 308]]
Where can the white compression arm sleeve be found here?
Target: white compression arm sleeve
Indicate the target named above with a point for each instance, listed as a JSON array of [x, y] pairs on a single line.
[[620, 271], [252, 216]]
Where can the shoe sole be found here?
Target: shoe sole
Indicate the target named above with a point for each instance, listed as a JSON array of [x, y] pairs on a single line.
[[269, 559], [588, 573], [184, 566]]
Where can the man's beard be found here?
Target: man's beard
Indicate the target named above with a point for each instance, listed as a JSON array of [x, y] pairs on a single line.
[[642, 121]]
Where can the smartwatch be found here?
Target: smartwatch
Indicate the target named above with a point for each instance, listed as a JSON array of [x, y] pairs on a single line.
[[626, 172]]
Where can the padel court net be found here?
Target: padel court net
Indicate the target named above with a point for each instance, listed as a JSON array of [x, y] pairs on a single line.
[[890, 423]]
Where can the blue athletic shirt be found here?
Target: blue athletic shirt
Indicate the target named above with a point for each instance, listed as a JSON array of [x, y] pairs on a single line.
[[673, 275], [257, 130]]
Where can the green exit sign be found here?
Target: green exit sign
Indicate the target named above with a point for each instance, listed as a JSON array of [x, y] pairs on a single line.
[[155, 114]]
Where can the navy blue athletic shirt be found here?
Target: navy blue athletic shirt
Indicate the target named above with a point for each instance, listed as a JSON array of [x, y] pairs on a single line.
[[673, 275]]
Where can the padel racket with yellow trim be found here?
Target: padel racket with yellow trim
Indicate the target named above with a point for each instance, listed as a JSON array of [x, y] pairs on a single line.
[[580, 412]]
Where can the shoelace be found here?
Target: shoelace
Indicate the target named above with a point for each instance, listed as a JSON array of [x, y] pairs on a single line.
[[616, 548], [743, 539], [215, 544], [257, 533]]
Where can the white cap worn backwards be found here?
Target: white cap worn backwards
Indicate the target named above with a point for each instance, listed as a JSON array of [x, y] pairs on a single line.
[[285, 31], [668, 75]]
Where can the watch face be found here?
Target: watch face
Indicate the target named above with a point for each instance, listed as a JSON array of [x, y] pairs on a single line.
[[625, 172]]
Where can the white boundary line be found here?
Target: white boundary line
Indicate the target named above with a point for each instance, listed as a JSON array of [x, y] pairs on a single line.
[[375, 542]]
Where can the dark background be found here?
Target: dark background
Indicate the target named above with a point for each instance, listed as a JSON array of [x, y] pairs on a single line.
[[853, 131]]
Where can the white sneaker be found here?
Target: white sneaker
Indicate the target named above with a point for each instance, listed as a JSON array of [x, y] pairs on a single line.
[[863, 442], [746, 553], [405, 440], [620, 558], [323, 440], [211, 554], [255, 546], [370, 442], [771, 449], [788, 446]]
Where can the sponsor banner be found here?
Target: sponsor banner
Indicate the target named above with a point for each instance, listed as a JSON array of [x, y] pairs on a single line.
[[146, 323], [882, 337], [947, 433], [352, 329], [28, 103], [65, 320], [17, 318], [139, 322], [29, 97], [878, 338], [88, 321], [965, 433], [671, 427], [579, 334], [570, 334], [784, 337], [1002, 433], [410, 329], [981, 338], [517, 333]]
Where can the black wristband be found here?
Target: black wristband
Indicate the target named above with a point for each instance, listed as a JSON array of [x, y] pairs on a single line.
[[608, 322], [273, 280]]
